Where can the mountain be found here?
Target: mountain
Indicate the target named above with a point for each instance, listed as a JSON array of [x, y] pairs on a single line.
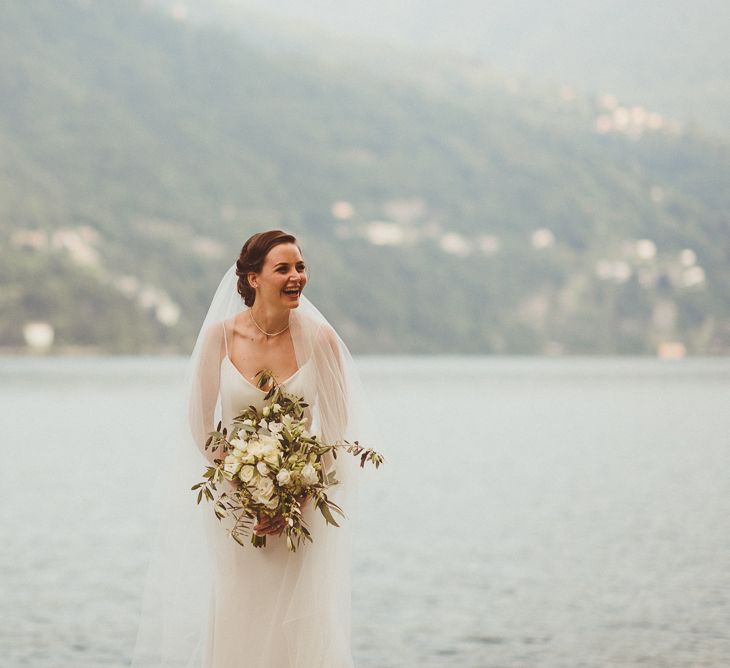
[[444, 212], [671, 56]]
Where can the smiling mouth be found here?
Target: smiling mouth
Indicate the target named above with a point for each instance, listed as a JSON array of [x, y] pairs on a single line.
[[292, 291]]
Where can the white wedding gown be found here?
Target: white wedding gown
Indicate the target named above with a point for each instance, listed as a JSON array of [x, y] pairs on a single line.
[[249, 604]]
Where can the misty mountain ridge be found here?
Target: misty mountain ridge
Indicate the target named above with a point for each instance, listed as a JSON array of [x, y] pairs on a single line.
[[540, 222], [669, 56]]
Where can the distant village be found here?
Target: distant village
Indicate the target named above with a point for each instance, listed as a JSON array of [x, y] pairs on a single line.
[[400, 227], [406, 221]]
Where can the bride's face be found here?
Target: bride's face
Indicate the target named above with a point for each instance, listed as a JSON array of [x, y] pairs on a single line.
[[282, 277]]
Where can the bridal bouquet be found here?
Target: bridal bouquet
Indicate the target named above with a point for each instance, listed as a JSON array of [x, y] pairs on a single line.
[[273, 463]]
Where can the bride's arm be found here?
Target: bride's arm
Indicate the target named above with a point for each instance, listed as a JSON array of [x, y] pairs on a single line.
[[205, 388]]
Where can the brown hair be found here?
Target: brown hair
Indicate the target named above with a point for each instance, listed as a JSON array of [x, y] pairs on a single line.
[[252, 257]]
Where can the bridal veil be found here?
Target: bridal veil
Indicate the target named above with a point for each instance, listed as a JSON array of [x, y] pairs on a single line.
[[178, 586]]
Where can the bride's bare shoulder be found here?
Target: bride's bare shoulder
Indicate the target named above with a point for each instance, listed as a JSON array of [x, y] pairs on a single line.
[[235, 330], [231, 324]]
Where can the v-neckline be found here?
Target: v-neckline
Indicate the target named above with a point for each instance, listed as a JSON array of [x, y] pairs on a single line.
[[248, 382]]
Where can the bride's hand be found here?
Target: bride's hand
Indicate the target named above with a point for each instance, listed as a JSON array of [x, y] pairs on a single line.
[[269, 525], [276, 524]]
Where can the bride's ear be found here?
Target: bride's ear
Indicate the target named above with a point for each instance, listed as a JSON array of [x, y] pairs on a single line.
[[251, 278]]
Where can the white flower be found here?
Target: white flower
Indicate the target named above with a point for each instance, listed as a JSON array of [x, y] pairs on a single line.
[[268, 442], [238, 443], [276, 408], [283, 477], [263, 490], [272, 502], [275, 427], [255, 449], [309, 475], [246, 473], [231, 464], [262, 468], [266, 410], [262, 423], [248, 422], [269, 449]]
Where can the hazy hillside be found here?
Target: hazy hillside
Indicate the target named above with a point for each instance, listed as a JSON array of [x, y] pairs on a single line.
[[670, 55], [137, 153]]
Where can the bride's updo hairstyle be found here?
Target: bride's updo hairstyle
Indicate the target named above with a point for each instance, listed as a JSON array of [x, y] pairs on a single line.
[[253, 255]]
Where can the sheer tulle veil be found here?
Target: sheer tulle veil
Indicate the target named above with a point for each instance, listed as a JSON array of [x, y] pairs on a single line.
[[177, 592]]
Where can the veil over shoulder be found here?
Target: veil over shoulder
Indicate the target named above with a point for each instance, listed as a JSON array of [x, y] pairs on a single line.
[[179, 582]]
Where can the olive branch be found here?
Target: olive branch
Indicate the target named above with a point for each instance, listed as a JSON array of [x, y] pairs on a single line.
[[295, 444]]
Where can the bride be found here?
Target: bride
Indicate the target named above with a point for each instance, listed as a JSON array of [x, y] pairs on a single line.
[[208, 601]]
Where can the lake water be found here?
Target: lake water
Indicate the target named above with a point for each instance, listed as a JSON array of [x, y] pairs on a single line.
[[533, 512]]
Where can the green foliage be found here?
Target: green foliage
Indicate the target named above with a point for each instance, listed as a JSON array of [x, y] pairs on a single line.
[[290, 450], [157, 136]]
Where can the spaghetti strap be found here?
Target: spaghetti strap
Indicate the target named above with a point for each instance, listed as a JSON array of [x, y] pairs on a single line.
[[225, 338]]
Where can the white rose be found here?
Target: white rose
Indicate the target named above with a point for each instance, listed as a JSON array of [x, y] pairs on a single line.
[[268, 442], [246, 473], [270, 450], [264, 488], [273, 502], [231, 464], [262, 468], [238, 443], [309, 475], [283, 477], [258, 497], [266, 450]]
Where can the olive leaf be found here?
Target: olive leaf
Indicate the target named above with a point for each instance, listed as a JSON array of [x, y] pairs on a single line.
[[241, 503]]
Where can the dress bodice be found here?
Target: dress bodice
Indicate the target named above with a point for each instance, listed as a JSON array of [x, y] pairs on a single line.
[[237, 393]]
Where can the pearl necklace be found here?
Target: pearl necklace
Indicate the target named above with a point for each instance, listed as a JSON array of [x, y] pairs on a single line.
[[263, 330]]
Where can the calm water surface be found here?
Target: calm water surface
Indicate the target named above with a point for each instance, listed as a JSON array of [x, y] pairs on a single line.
[[532, 512]]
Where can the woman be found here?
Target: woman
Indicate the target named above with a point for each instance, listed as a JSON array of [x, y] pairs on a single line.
[[210, 602]]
